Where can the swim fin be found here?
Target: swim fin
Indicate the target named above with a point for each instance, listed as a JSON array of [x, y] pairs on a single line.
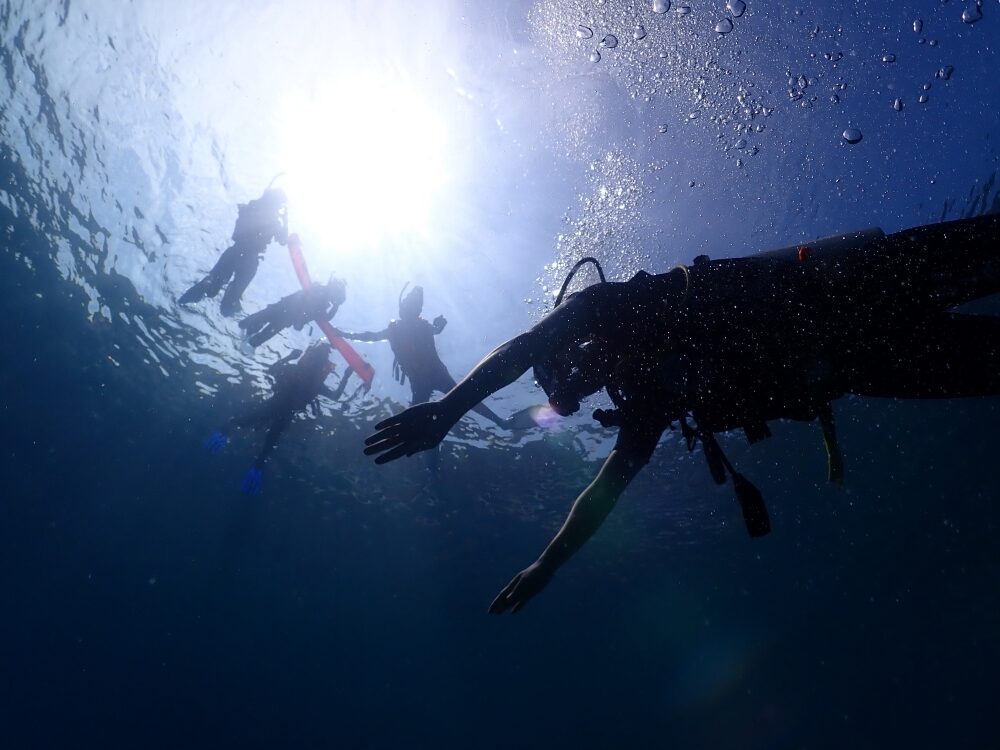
[[252, 481], [752, 504]]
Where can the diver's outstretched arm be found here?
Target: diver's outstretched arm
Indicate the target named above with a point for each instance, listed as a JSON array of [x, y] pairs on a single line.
[[365, 335], [587, 515], [423, 426]]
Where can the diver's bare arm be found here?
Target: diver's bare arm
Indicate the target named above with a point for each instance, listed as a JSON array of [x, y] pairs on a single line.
[[591, 508], [498, 369]]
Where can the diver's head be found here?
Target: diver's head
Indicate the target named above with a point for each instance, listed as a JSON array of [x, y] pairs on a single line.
[[274, 198], [412, 304], [570, 376], [318, 353], [336, 289]]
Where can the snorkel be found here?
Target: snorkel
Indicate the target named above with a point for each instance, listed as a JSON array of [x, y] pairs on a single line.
[[568, 377], [412, 304]]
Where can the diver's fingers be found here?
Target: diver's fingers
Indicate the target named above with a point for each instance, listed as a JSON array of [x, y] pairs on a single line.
[[393, 421], [397, 452], [501, 603], [381, 446], [380, 436]]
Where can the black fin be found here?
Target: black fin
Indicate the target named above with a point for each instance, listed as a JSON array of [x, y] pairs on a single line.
[[834, 458], [755, 516], [713, 455]]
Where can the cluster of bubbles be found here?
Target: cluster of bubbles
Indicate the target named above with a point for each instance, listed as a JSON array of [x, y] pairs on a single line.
[[661, 52], [604, 225], [944, 73]]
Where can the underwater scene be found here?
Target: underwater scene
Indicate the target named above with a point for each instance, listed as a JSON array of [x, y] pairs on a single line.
[[532, 373]]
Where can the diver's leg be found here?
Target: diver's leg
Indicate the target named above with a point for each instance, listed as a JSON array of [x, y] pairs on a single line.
[[949, 356], [419, 393], [278, 426], [244, 271], [209, 286], [445, 382], [253, 418], [485, 411], [255, 321], [261, 336]]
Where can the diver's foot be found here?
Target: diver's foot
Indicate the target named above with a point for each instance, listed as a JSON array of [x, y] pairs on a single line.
[[253, 481]]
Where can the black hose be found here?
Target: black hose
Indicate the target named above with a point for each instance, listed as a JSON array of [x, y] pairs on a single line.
[[572, 273]]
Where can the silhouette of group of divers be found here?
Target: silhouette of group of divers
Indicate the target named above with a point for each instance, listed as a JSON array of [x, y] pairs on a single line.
[[713, 347]]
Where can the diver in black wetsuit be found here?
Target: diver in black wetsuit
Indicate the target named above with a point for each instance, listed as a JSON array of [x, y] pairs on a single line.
[[412, 341], [732, 344], [259, 222], [296, 386], [316, 302]]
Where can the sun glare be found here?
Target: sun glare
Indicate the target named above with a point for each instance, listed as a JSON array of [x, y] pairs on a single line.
[[364, 158]]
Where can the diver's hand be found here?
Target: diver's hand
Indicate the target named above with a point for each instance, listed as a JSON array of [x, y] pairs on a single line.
[[522, 588], [439, 323], [416, 429]]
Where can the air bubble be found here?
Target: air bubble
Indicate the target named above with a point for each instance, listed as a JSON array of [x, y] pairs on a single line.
[[945, 72], [736, 8], [584, 32], [926, 87], [853, 135], [609, 42], [661, 6], [639, 33], [918, 26], [888, 58], [972, 13], [741, 143], [683, 10], [595, 56], [724, 26], [662, 128], [694, 115], [923, 99], [898, 105]]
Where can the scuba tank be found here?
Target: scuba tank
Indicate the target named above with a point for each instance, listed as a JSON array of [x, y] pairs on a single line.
[[826, 247]]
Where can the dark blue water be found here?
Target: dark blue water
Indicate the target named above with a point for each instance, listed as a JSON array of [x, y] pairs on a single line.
[[147, 603]]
